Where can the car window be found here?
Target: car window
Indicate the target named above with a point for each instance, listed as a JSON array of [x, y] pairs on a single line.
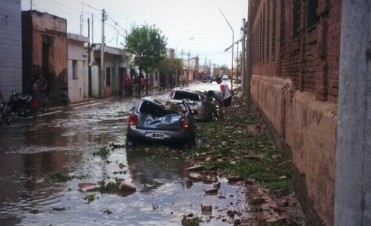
[[151, 108], [186, 95]]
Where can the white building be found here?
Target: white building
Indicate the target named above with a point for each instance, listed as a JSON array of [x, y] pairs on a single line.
[[116, 66], [11, 47], [78, 80]]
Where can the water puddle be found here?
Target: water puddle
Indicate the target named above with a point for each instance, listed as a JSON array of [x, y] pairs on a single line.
[[47, 166]]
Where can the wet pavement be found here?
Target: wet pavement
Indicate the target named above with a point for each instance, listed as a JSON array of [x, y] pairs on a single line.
[[64, 142]]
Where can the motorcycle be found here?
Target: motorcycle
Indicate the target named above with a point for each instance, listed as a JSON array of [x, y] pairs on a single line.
[[20, 104]]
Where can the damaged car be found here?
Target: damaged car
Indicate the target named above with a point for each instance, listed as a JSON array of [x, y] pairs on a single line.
[[152, 121], [200, 105]]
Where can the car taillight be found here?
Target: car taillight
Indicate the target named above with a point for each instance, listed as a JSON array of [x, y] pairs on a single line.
[[184, 123], [133, 119]]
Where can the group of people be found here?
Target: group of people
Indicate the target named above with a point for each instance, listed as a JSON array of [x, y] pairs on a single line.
[[223, 97]]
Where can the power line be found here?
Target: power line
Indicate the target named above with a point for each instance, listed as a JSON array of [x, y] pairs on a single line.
[[117, 24]]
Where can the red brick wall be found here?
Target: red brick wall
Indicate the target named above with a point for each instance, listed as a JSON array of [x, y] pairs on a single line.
[[294, 67], [310, 60]]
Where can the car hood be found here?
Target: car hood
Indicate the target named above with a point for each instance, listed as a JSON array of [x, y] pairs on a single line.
[[167, 122]]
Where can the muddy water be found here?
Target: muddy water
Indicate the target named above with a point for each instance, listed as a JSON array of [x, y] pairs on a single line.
[[31, 151]]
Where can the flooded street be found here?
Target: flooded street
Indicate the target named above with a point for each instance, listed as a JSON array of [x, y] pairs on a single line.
[[64, 145]]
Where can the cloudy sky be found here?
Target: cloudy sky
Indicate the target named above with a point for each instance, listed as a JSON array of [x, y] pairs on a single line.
[[195, 26]]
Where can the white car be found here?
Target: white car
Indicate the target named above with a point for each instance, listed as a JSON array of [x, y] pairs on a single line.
[[200, 105]]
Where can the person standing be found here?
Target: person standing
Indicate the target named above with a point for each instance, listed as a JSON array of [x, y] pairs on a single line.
[[226, 96], [214, 98], [38, 90], [36, 98]]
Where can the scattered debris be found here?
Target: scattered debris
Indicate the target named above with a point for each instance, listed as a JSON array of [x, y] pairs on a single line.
[[90, 198], [86, 187], [127, 186], [102, 152], [58, 177]]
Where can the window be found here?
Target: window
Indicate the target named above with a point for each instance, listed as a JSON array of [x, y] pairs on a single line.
[[47, 40], [282, 27], [268, 32], [274, 29], [311, 14], [75, 73], [264, 30], [108, 76], [296, 19]]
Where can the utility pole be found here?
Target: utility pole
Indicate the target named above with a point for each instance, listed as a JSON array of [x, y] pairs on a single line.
[[102, 80], [243, 53], [92, 28], [237, 61], [89, 68], [82, 20], [225, 18], [189, 68]]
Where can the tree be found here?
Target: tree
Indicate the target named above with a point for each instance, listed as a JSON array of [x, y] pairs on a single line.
[[148, 45], [222, 70], [170, 68]]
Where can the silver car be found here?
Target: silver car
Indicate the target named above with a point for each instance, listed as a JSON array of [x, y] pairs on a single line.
[[200, 105], [152, 121]]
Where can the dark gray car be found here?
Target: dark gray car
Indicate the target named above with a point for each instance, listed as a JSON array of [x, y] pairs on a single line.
[[152, 121]]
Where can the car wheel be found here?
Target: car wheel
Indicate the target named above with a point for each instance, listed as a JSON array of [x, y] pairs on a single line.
[[129, 142]]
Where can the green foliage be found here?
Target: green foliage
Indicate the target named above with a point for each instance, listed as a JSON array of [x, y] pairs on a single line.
[[148, 45], [222, 70], [58, 177], [111, 187], [102, 152], [170, 66], [191, 221], [90, 198], [263, 163]]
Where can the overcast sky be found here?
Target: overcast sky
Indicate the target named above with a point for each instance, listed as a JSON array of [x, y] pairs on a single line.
[[178, 20]]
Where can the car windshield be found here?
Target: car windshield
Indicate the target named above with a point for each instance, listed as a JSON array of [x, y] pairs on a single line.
[[180, 95]]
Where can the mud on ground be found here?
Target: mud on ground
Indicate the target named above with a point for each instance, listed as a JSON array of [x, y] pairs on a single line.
[[240, 148]]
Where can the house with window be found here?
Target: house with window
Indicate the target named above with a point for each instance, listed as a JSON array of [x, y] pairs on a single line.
[[107, 82], [190, 69], [78, 80], [44, 42]]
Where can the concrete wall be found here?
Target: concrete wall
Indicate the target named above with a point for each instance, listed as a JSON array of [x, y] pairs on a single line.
[[10, 47], [77, 84], [36, 26], [308, 128], [353, 173], [294, 82]]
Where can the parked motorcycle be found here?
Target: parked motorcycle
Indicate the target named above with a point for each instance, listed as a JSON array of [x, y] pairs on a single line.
[[20, 104]]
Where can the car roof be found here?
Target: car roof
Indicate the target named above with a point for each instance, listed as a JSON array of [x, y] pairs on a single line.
[[186, 94]]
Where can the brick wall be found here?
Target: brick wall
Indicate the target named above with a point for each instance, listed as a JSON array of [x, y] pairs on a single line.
[[294, 49], [309, 56], [10, 47]]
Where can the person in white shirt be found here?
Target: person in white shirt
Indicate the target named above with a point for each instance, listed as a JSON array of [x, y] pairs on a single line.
[[226, 94]]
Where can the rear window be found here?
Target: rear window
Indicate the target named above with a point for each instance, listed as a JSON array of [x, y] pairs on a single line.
[[186, 95]]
